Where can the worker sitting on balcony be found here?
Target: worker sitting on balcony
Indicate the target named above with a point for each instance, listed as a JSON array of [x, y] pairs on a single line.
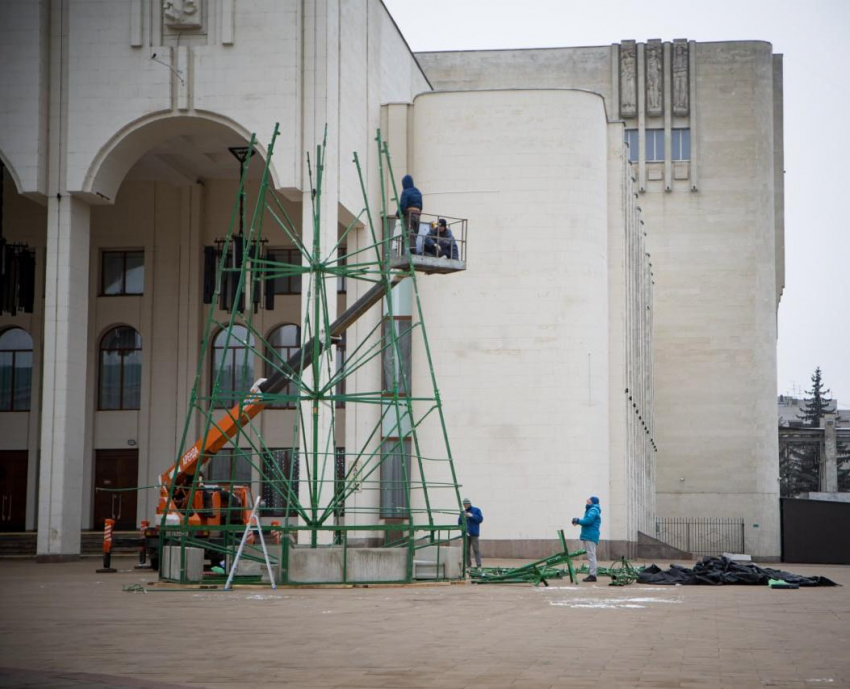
[[410, 205], [440, 241]]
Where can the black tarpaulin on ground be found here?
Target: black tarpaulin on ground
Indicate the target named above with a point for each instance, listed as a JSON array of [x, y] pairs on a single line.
[[714, 571]]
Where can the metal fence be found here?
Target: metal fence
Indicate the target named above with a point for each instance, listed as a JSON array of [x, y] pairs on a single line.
[[702, 535]]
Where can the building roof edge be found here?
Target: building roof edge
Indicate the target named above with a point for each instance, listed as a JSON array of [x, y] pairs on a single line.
[[577, 47], [407, 45]]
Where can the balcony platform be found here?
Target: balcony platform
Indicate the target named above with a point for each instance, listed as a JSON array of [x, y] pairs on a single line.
[[428, 264]]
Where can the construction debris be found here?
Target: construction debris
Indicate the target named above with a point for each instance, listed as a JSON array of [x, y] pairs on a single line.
[[622, 572], [715, 571]]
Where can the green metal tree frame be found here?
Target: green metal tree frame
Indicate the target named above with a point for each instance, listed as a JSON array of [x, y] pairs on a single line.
[[429, 515]]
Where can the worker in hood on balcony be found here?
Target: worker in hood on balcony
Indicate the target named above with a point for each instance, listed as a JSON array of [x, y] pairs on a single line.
[[410, 205], [590, 524]]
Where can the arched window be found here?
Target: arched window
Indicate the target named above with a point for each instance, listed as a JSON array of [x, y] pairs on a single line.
[[120, 376], [15, 370], [232, 365], [285, 341]]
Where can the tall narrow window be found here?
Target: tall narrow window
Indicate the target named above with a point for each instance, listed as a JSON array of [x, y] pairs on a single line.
[[232, 365], [120, 376], [341, 280], [681, 144], [285, 341], [231, 466], [633, 140], [339, 482], [654, 145], [15, 370], [281, 478], [397, 364], [340, 365], [286, 284], [122, 273], [395, 477]]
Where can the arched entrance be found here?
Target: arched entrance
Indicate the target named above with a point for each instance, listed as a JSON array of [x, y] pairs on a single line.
[[158, 193], [22, 238], [179, 149], [176, 198]]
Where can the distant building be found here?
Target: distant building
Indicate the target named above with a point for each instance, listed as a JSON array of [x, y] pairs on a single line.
[[790, 409]]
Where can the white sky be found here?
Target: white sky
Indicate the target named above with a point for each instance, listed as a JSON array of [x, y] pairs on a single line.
[[814, 316]]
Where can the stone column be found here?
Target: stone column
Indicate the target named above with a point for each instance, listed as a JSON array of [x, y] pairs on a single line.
[[829, 468], [320, 109], [63, 414]]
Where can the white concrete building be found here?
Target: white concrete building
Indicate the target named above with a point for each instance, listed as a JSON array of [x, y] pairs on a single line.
[[614, 333], [705, 124]]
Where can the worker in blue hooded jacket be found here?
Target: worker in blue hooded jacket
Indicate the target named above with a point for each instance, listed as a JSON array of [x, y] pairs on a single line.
[[473, 531], [410, 205], [590, 524]]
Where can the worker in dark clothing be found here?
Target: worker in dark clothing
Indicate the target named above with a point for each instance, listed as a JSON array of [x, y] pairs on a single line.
[[473, 531], [441, 242], [410, 205]]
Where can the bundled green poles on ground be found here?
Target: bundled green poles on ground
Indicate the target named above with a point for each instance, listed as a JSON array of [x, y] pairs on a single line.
[[536, 573]]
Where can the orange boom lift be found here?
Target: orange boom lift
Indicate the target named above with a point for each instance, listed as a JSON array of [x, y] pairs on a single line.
[[209, 504]]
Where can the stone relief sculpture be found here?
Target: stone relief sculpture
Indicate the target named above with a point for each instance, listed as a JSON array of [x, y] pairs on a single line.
[[680, 77], [654, 78], [628, 79], [182, 14]]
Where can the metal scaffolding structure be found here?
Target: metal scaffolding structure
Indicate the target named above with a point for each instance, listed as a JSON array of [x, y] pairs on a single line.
[[398, 488]]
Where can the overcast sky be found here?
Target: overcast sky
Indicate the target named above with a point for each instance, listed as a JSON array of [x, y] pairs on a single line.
[[814, 316]]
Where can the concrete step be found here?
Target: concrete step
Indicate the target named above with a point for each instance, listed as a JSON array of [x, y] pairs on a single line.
[[23, 544]]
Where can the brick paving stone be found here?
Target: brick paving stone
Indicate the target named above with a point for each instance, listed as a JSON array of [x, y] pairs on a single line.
[[78, 629]]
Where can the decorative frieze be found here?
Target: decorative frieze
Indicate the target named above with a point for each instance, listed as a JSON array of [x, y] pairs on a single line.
[[654, 78], [183, 15], [654, 86], [681, 88], [628, 79]]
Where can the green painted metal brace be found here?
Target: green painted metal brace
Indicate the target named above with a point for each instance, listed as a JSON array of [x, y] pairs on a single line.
[[535, 572], [563, 539]]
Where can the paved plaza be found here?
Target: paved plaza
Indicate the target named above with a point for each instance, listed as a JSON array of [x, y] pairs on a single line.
[[66, 626]]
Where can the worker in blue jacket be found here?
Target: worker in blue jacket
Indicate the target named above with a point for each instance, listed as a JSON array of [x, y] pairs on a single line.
[[410, 205], [473, 530], [590, 524]]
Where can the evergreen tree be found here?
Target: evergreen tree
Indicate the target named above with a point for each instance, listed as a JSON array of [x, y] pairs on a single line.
[[817, 402], [799, 468], [799, 462]]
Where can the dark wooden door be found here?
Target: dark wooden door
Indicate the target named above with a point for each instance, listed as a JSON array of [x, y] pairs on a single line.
[[13, 490], [116, 469]]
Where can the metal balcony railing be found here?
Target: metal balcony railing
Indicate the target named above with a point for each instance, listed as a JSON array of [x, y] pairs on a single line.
[[428, 247]]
